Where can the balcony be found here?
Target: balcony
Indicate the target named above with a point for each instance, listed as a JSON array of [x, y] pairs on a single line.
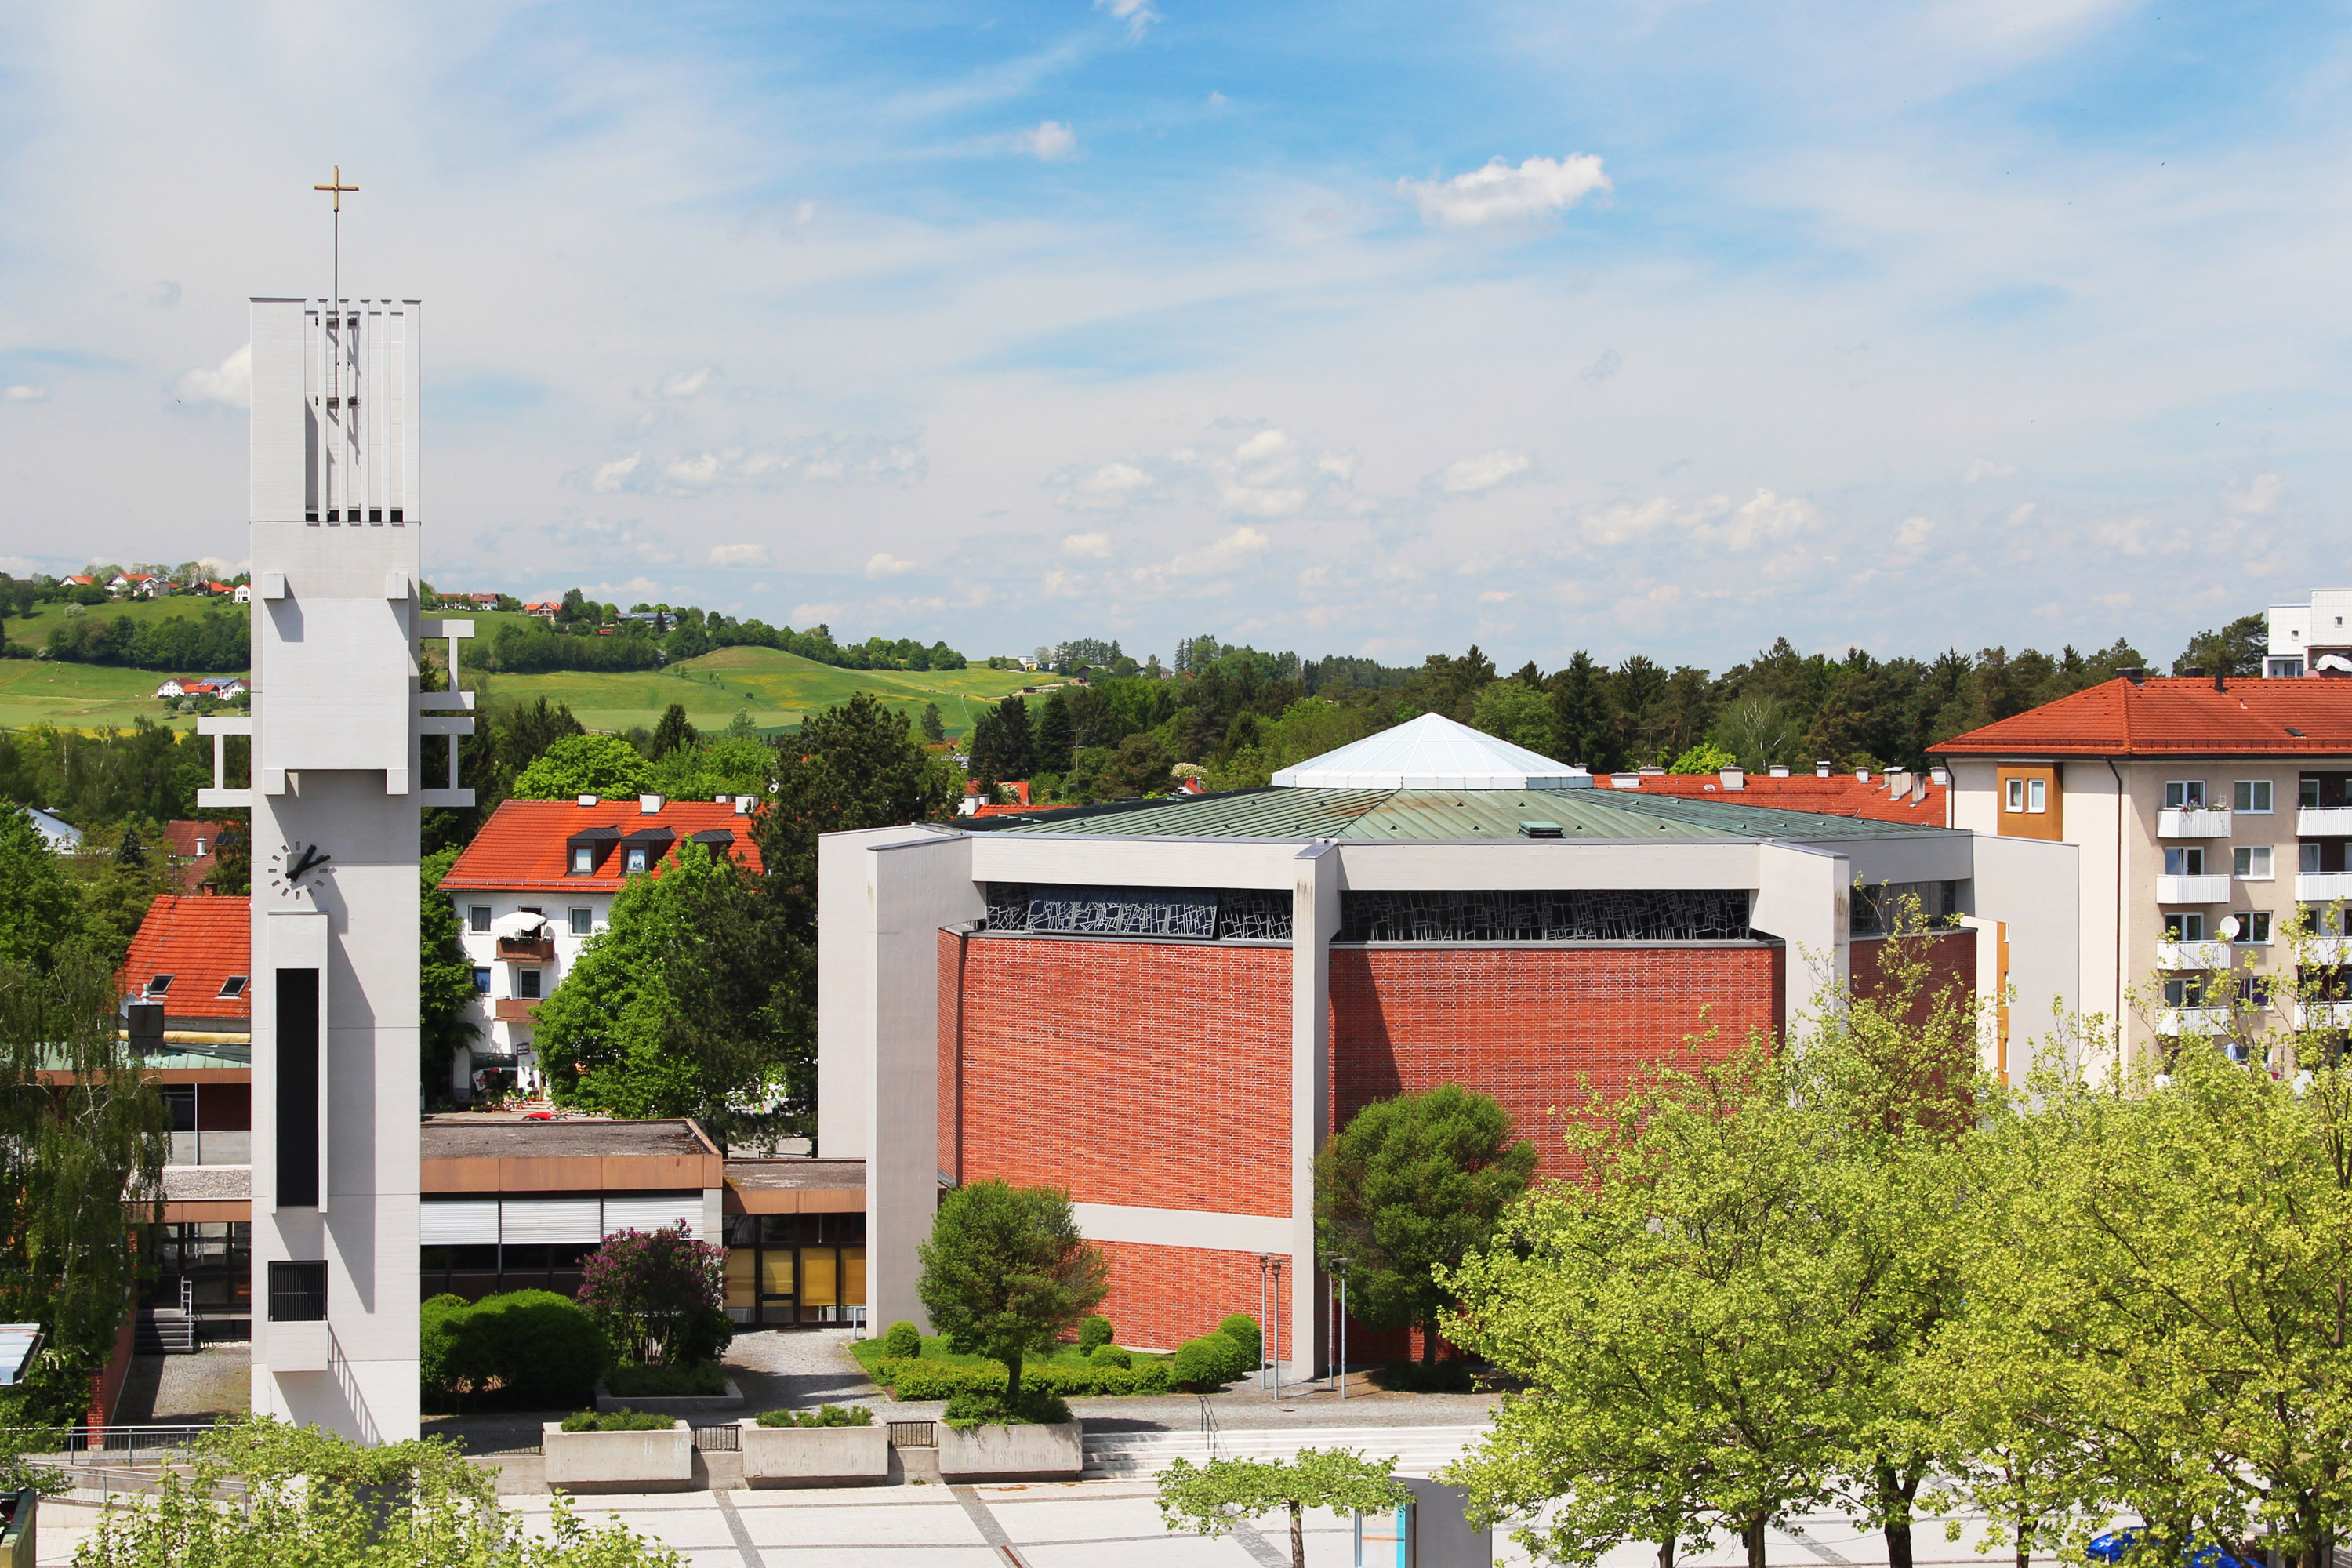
[[2201, 823], [2325, 951], [2322, 886], [2192, 955], [2319, 1014], [527, 950], [2172, 1022], [2210, 889], [2323, 822], [515, 1010]]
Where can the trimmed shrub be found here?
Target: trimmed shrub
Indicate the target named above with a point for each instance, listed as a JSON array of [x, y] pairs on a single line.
[[989, 1407], [665, 1382], [1112, 1355], [1093, 1334], [822, 1415], [903, 1340], [527, 1349], [1204, 1363], [1243, 1331], [616, 1421], [1435, 1377], [932, 1380]]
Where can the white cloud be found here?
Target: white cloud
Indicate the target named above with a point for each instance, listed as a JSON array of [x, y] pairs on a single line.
[[1102, 490], [1468, 476], [231, 385], [1763, 518], [806, 616], [1228, 554], [1913, 533], [1137, 13], [885, 564], [1496, 597], [1050, 142], [1097, 545], [1986, 469], [739, 555], [1610, 363], [1500, 196], [680, 384], [24, 393], [2258, 497], [165, 295], [613, 474], [2023, 515]]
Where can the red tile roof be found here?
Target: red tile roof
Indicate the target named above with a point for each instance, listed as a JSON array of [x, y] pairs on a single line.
[[180, 841], [525, 842], [2307, 716], [1017, 810], [200, 943], [1840, 794]]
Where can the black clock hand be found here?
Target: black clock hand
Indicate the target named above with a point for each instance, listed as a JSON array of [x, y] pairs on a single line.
[[310, 856]]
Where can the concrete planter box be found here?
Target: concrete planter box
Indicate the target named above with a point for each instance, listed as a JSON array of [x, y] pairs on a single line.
[[17, 1542], [618, 1461], [814, 1456], [1012, 1453], [669, 1405]]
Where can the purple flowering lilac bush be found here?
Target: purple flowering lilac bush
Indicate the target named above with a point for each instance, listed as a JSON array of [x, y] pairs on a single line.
[[659, 1295]]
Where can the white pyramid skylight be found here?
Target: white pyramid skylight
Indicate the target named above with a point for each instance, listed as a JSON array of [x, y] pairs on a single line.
[[1433, 752]]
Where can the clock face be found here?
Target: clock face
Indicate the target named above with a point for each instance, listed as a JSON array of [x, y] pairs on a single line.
[[295, 869]]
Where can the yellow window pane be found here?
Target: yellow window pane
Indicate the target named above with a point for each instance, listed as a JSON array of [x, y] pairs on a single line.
[[817, 1277], [739, 1277], [853, 1277], [776, 1272]]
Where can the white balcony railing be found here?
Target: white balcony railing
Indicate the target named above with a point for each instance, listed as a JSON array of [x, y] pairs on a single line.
[[2323, 887], [2201, 823], [2174, 1021], [2323, 951], [2301, 1014], [2192, 955], [2210, 889], [2324, 821]]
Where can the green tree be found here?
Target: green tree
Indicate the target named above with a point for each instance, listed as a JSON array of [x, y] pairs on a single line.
[[2233, 650], [1582, 719], [934, 728], [37, 908], [1006, 1273], [1141, 765], [315, 1500], [1413, 1186], [446, 976], [1057, 736], [1761, 732], [850, 767], [80, 1159], [1216, 1497], [1516, 711], [584, 764], [667, 1011], [1706, 757], [673, 733]]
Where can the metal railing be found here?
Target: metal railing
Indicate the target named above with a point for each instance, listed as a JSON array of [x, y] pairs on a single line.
[[721, 1439], [123, 1445], [914, 1434]]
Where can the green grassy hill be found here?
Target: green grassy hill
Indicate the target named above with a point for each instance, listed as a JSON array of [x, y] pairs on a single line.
[[779, 690]]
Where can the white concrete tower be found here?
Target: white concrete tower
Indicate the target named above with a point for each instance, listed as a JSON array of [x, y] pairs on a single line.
[[338, 763]]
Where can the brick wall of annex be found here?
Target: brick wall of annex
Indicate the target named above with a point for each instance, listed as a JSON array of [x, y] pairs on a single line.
[[1522, 1023], [1150, 1074], [1950, 958], [1163, 1296]]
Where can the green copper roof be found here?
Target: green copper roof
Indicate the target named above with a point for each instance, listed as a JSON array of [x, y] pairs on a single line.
[[1595, 815]]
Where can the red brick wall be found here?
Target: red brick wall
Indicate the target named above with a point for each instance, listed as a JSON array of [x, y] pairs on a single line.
[[1951, 960], [1521, 1024], [1163, 1296], [1149, 1074]]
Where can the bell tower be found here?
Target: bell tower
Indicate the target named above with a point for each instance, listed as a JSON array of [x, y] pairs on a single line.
[[339, 764]]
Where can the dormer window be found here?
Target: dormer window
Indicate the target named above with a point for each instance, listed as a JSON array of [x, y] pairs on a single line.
[[157, 986], [584, 859], [233, 986], [636, 860]]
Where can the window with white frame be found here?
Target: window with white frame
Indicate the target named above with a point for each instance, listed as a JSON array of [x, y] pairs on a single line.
[[481, 981], [2253, 795], [584, 859], [582, 922], [2307, 859], [637, 864], [2184, 794], [2037, 794], [2185, 861], [2016, 801], [526, 985], [477, 920], [2185, 991], [2251, 862], [2253, 926], [2184, 925]]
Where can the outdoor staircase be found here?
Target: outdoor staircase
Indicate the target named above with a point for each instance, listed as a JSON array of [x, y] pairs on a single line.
[[1418, 1451], [163, 1331]]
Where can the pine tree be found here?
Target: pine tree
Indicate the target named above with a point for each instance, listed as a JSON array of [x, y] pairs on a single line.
[[1057, 736]]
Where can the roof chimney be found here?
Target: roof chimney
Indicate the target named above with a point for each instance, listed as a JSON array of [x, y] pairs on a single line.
[[2133, 673], [1735, 778], [648, 803], [2220, 682], [1862, 773], [743, 804], [1897, 779], [1821, 770], [587, 800], [1780, 770], [1939, 776], [1625, 780]]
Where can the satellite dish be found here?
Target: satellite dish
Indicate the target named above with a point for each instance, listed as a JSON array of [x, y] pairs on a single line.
[[2228, 928]]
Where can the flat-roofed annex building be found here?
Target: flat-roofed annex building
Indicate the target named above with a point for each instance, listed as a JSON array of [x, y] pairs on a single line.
[[1165, 1006], [2208, 815]]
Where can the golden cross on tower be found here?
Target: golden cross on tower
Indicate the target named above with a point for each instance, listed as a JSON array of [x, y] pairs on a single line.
[[338, 187]]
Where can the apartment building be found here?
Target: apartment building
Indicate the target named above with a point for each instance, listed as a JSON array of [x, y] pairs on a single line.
[[537, 882], [2314, 638], [2210, 815]]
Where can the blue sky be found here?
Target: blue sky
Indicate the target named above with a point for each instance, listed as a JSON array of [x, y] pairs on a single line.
[[1647, 327]]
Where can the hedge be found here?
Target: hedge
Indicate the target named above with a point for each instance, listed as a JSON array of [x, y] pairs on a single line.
[[935, 1380], [538, 1347]]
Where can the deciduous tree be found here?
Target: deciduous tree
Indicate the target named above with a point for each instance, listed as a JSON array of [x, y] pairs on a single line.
[[1216, 1497], [1006, 1273]]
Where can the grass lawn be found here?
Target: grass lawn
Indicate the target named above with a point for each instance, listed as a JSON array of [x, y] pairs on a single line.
[[82, 696], [935, 1348], [777, 688]]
